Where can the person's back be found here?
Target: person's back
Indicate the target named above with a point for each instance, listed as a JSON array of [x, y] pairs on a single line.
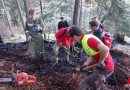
[[62, 37]]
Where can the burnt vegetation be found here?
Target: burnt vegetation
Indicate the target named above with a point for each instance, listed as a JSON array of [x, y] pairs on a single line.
[[13, 56]]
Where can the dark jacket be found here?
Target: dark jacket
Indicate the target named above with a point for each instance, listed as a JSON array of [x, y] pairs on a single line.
[[62, 24], [98, 34], [30, 27]]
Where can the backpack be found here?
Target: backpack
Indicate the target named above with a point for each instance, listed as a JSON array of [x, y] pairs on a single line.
[[107, 39]]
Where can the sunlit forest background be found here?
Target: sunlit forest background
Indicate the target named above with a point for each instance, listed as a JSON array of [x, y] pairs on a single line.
[[115, 14]]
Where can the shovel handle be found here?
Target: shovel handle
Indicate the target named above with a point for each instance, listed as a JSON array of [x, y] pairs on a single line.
[[68, 51], [86, 68], [91, 66]]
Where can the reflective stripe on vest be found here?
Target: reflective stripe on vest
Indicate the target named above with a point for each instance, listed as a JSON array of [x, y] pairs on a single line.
[[85, 46]]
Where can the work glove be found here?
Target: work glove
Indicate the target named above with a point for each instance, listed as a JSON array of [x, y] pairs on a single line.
[[29, 38], [101, 65]]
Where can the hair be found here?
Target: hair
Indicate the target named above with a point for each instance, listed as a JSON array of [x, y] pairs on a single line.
[[94, 18], [102, 21], [61, 18], [93, 23], [75, 30], [31, 11]]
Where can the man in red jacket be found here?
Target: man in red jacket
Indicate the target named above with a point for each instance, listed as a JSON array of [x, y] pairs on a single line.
[[63, 40]]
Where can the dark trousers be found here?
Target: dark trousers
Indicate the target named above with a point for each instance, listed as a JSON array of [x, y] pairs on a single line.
[[95, 80]]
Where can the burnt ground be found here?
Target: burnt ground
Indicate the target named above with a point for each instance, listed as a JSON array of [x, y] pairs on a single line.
[[13, 56]]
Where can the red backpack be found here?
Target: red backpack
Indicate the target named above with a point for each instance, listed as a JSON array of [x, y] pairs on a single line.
[[107, 39]]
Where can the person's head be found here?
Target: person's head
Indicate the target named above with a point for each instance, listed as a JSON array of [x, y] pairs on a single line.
[[75, 32], [32, 13], [93, 25], [62, 19], [94, 18]]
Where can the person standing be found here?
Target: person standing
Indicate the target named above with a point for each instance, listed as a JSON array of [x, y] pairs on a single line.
[[98, 54], [62, 24], [34, 29]]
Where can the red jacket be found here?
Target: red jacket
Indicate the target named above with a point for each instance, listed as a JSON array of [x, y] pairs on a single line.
[[63, 37]]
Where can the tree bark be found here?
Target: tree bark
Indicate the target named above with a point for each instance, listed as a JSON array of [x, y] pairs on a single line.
[[26, 4], [41, 7], [10, 26], [19, 9], [80, 18], [1, 41], [76, 14]]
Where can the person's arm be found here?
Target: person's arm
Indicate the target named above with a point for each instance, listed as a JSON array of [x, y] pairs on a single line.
[[104, 51], [43, 28], [59, 25], [26, 28], [67, 25], [42, 25], [89, 61], [86, 64], [71, 40]]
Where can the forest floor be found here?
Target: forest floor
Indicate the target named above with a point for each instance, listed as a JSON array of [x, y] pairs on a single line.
[[13, 57], [62, 75]]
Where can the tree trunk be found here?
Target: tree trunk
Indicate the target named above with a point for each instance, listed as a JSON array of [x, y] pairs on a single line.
[[1, 41], [26, 4], [10, 26], [13, 13], [14, 19], [41, 7], [80, 18], [120, 37], [19, 9], [76, 14]]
